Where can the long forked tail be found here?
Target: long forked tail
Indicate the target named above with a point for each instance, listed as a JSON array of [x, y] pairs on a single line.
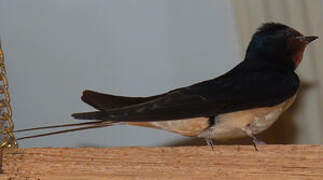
[[75, 127], [97, 100]]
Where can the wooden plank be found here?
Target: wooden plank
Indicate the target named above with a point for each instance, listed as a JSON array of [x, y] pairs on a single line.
[[225, 162]]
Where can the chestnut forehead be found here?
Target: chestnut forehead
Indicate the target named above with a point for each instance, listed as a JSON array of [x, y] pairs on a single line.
[[294, 32]]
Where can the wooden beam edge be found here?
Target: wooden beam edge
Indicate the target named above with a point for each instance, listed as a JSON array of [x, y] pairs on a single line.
[[187, 162]]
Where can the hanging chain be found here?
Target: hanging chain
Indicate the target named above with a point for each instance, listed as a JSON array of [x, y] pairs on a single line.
[[6, 123]]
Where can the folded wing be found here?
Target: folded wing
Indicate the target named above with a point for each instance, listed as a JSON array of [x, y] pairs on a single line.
[[231, 92]]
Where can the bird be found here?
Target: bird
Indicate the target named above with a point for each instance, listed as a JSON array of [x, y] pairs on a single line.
[[242, 102]]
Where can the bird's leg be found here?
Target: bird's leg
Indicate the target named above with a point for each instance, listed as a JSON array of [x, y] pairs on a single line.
[[208, 139], [255, 141]]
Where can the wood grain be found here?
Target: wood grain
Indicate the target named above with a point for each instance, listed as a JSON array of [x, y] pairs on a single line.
[[225, 162]]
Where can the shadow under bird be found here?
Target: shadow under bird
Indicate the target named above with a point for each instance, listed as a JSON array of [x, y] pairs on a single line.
[[242, 102]]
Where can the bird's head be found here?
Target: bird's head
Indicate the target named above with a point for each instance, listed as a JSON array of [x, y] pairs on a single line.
[[279, 44]]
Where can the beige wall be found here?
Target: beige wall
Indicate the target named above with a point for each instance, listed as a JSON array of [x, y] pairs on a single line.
[[304, 122]]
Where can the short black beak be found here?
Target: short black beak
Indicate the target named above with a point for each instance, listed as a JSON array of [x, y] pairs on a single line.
[[309, 39]]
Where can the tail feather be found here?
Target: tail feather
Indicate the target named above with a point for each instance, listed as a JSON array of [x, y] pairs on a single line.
[[102, 101], [107, 102], [77, 127], [95, 115]]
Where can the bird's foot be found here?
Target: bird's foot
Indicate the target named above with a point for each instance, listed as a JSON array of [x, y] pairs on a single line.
[[255, 141], [210, 143]]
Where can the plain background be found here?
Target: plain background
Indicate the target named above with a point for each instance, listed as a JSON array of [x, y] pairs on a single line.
[[56, 49]]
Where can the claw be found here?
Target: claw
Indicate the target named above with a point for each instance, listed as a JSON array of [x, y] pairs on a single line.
[[256, 142], [210, 143]]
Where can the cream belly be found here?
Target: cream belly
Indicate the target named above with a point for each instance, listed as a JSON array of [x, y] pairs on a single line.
[[185, 127], [246, 122], [227, 126]]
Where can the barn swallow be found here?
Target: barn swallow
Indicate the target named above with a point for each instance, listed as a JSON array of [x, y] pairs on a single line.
[[242, 102]]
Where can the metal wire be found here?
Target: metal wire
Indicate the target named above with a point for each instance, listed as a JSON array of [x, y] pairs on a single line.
[[8, 139]]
